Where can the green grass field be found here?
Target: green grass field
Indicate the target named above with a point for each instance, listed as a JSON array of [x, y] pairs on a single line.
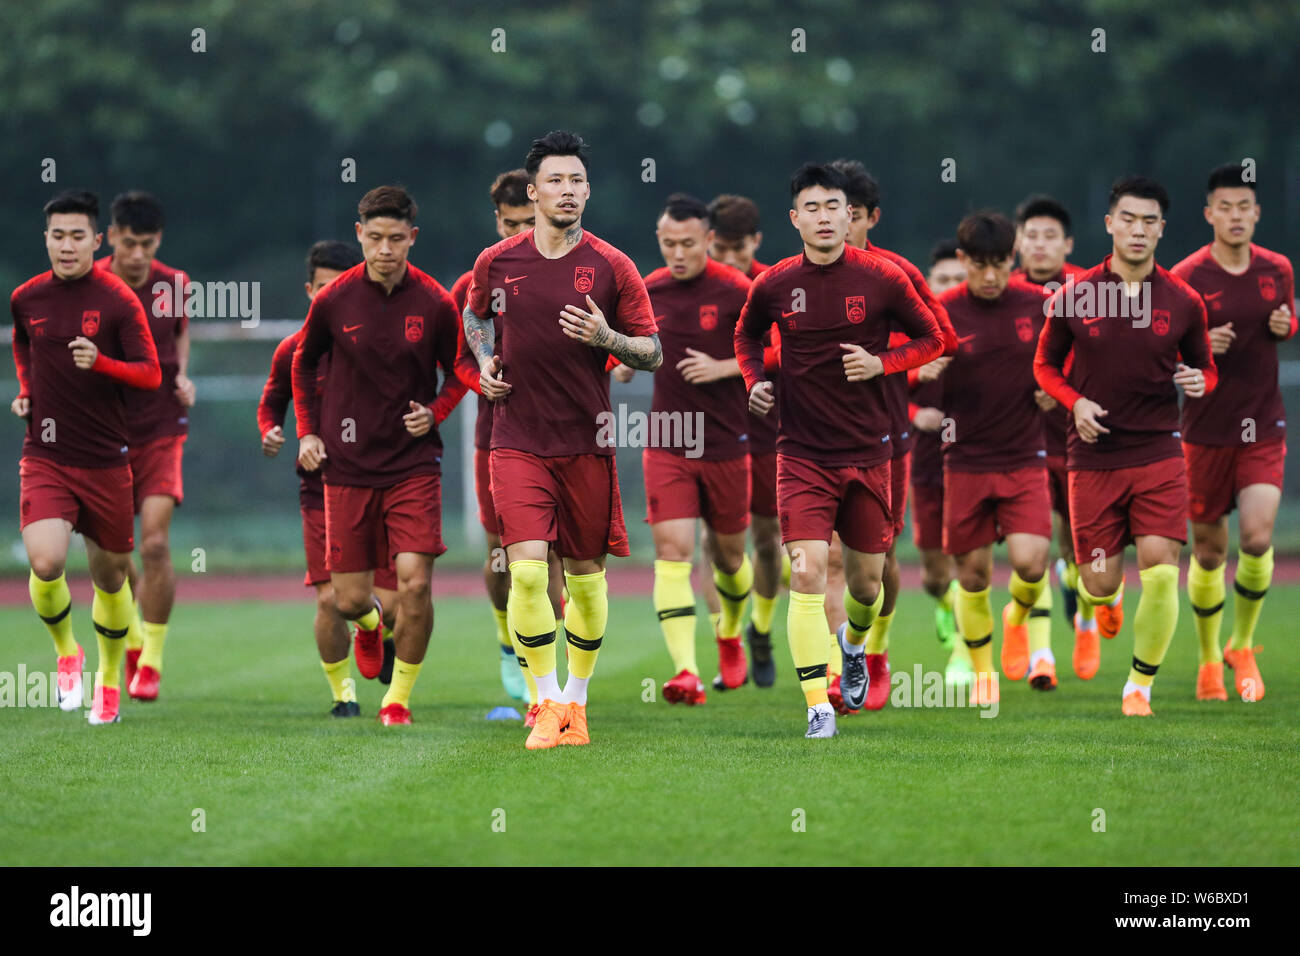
[[242, 733]]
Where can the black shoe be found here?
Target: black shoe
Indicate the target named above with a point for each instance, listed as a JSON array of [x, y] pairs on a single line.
[[386, 669], [760, 656], [345, 708]]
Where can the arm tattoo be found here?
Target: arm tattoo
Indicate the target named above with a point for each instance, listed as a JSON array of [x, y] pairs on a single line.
[[480, 335], [640, 352]]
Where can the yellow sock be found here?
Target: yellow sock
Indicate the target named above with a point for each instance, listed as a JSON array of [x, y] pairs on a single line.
[[155, 635], [399, 691], [674, 602], [1254, 575], [1088, 602], [585, 619], [861, 616], [523, 662], [532, 616], [945, 599], [761, 611], [785, 569], [1024, 595], [975, 618], [337, 674], [878, 636], [1040, 621], [1072, 575], [806, 626], [111, 613], [503, 628], [835, 666], [1155, 621], [1206, 592], [733, 592], [53, 603], [370, 620], [135, 632]]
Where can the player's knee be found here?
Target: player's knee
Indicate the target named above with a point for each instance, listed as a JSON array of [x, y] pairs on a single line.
[[972, 579], [1256, 541], [46, 567], [1033, 568], [864, 590], [414, 588], [154, 548], [325, 600], [1209, 555], [528, 578], [352, 604]]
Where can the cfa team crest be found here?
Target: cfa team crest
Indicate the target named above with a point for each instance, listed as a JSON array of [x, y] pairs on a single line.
[[708, 317], [414, 328], [1267, 288], [1025, 328], [1160, 321], [855, 307], [584, 278], [89, 323]]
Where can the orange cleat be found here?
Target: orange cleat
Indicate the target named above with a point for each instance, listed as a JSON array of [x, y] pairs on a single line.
[[1250, 685], [685, 688], [1209, 682], [104, 709], [836, 698], [1137, 705], [1110, 619], [1043, 675], [984, 689], [394, 715], [531, 719], [732, 667], [132, 663], [877, 681], [1015, 646], [575, 733], [69, 688], [551, 716], [1087, 650], [144, 686]]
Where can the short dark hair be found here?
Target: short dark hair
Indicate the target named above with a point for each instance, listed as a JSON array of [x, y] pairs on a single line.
[[331, 254], [733, 217], [986, 236], [683, 206], [558, 142], [860, 187], [817, 174], [139, 211], [510, 189], [943, 249], [391, 202], [74, 200], [1228, 176], [1041, 205], [1143, 187]]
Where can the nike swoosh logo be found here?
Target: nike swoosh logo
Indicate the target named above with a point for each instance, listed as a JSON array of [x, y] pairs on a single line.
[[1213, 295], [659, 319], [352, 328], [38, 321], [513, 278], [786, 315], [966, 339], [1094, 319]]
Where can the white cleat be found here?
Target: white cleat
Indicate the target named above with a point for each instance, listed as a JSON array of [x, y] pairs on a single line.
[[104, 708], [821, 721], [69, 686]]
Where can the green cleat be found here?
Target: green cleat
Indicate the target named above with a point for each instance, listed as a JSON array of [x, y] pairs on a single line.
[[945, 621], [512, 677], [959, 672]]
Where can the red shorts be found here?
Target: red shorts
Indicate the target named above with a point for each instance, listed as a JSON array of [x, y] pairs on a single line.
[[571, 501], [981, 507], [487, 512], [97, 501], [680, 487], [1217, 473], [927, 517], [1108, 509], [156, 469], [851, 500], [313, 544], [900, 476], [365, 527], [762, 484], [1058, 482]]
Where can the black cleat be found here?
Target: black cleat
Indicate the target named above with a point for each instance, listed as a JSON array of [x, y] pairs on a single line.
[[345, 708], [760, 656], [386, 669]]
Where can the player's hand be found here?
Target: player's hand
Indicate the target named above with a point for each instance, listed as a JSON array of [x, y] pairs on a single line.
[[699, 368], [1279, 321], [418, 420], [489, 380], [928, 419], [1191, 380], [930, 371], [21, 406], [623, 373], [761, 398], [311, 452], [84, 351], [859, 364], [1043, 400], [184, 390], [273, 441], [1222, 336], [1086, 413], [585, 326]]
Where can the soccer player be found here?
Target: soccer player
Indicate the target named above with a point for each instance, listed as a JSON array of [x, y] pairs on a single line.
[[994, 469], [697, 301], [80, 334], [937, 576], [388, 327], [834, 305], [566, 300], [157, 423], [1234, 441], [736, 237], [326, 260], [1044, 239], [1138, 334]]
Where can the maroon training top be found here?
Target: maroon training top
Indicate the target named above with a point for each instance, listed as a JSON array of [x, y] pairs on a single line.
[[277, 393], [825, 417], [1248, 386], [927, 447], [78, 416], [466, 365], [1054, 420], [385, 350], [762, 428], [1124, 367]]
